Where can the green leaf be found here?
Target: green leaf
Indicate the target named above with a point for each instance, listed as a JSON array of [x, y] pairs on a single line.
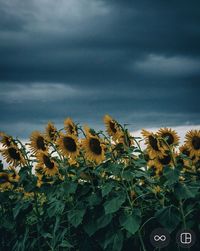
[[107, 188], [172, 175], [69, 187], [168, 217], [94, 225], [185, 192], [75, 217], [130, 222], [113, 241], [113, 205], [65, 244]]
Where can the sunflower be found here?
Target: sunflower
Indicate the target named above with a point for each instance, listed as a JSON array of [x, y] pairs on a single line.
[[154, 148], [48, 166], [50, 132], [68, 145], [156, 166], [37, 142], [112, 127], [192, 141], [70, 127], [5, 181], [169, 135], [5, 139], [166, 160], [13, 156], [94, 148], [14, 176], [190, 159]]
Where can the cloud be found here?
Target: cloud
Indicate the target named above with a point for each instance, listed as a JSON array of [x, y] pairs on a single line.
[[168, 66], [43, 92]]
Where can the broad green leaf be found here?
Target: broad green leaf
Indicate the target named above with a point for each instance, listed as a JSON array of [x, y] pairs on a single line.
[[172, 175], [65, 244], [183, 191], [168, 217], [107, 188], [130, 222], [95, 225], [113, 205], [113, 241], [75, 217]]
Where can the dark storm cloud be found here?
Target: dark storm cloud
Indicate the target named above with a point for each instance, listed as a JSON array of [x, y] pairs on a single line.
[[138, 60]]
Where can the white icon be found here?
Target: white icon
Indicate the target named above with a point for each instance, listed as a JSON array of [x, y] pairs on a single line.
[[186, 238], [159, 238]]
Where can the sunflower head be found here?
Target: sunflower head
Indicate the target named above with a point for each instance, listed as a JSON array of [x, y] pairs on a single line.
[[154, 148], [13, 156], [70, 127], [94, 149], [112, 127], [37, 142], [50, 167], [169, 135], [51, 132], [5, 139], [192, 141], [5, 181], [68, 145]]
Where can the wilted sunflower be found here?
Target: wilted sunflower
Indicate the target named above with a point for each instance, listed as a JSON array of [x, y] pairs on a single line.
[[70, 127], [156, 166], [5, 139], [14, 176], [51, 132], [68, 145], [192, 141], [154, 148], [169, 135], [5, 181], [112, 127], [50, 167], [94, 148], [13, 156], [37, 142], [191, 159], [166, 160]]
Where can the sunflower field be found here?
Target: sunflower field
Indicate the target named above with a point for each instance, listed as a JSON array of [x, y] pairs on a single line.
[[79, 189]]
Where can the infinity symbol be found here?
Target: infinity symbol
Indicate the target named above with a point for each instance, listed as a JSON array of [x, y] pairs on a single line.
[[159, 238]]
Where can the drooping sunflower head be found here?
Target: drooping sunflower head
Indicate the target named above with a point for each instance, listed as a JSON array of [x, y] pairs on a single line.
[[190, 158], [169, 135], [94, 149], [192, 141], [5, 139], [50, 167], [166, 160], [184, 150], [37, 142], [155, 166], [51, 132], [13, 175], [5, 181], [112, 127], [154, 148], [13, 156], [70, 127], [68, 145]]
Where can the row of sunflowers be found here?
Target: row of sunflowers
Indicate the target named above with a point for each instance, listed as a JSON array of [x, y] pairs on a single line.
[[80, 189]]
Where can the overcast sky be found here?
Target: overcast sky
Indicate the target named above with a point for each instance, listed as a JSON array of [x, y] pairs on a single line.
[[138, 61]]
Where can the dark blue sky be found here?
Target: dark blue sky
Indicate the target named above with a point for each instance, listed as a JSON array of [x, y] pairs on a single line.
[[136, 60]]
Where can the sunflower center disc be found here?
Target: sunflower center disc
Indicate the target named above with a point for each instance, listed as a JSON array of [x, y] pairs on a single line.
[[48, 163], [170, 138], [95, 146], [112, 127], [196, 142], [40, 143], [69, 144], [166, 160], [153, 142], [13, 153], [3, 179]]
